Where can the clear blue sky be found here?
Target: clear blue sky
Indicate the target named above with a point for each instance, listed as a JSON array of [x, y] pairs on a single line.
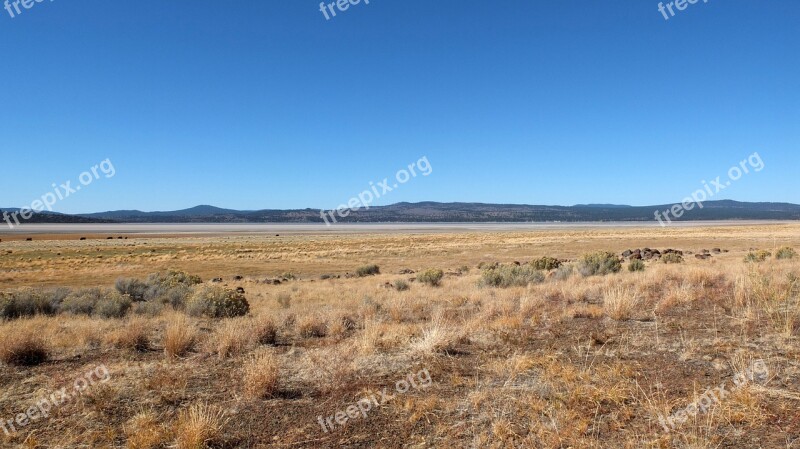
[[254, 104]]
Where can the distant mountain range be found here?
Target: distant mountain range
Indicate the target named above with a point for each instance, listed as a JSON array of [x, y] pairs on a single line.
[[439, 212]]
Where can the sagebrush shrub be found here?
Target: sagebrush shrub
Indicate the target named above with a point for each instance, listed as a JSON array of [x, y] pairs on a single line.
[[133, 288], [401, 285], [545, 263], [599, 264], [96, 301], [29, 302], [564, 272], [432, 277], [217, 302], [785, 253], [636, 265], [757, 256]]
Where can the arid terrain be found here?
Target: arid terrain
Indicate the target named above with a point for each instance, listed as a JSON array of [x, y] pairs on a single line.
[[480, 338]]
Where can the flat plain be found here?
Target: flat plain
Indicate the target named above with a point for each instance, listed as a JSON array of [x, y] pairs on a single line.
[[516, 355]]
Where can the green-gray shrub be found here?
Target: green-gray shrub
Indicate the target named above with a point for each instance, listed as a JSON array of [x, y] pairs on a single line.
[[636, 265], [599, 264], [31, 301], [401, 285], [511, 276], [564, 272], [114, 306], [133, 288], [217, 302], [96, 301], [757, 256], [432, 277], [785, 253]]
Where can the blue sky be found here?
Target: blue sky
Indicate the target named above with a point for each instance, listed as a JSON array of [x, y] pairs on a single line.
[[254, 104]]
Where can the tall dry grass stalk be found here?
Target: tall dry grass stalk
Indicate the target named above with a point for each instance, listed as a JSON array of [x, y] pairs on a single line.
[[620, 302], [261, 375], [235, 336], [180, 336], [199, 426]]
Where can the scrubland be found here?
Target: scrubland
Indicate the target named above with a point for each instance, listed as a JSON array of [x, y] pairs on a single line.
[[572, 350]]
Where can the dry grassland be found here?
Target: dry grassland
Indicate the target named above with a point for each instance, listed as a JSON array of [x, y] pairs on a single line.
[[572, 361]]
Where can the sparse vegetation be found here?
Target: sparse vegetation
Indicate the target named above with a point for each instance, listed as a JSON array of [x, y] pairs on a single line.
[[672, 258], [96, 301], [550, 344], [511, 276], [432, 277]]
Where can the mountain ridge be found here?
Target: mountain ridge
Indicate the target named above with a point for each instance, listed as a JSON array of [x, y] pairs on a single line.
[[431, 211]]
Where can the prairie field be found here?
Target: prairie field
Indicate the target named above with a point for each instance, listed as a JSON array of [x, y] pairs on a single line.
[[559, 338]]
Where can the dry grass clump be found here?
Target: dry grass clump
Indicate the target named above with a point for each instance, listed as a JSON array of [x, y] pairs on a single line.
[[343, 324], [620, 302], [22, 347], [232, 338], [436, 338], [134, 335], [368, 270], [312, 326], [198, 427], [180, 336], [265, 331], [145, 431], [261, 375]]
